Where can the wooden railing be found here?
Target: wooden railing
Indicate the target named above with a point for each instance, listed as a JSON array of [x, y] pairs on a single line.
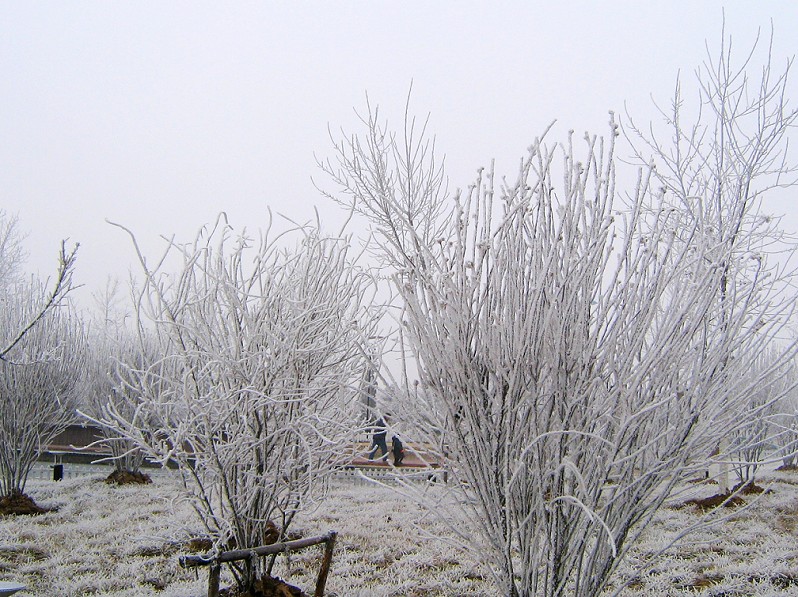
[[251, 555]]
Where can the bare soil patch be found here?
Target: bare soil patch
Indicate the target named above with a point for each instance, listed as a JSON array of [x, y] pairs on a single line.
[[198, 545], [702, 481], [730, 499], [20, 504], [749, 489], [267, 586], [726, 500], [128, 478]]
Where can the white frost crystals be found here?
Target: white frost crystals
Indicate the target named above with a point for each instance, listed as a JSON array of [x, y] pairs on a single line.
[[42, 356], [582, 365], [254, 395]]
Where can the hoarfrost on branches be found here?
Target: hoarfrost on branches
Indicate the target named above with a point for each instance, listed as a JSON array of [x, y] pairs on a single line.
[[12, 253], [254, 394], [784, 418], [41, 380], [117, 357], [578, 359], [41, 358]]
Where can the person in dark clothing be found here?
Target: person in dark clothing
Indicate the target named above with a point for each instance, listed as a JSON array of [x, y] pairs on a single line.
[[398, 451], [378, 439]]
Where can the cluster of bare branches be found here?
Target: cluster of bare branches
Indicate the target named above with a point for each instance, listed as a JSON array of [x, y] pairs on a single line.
[[768, 419], [41, 358], [783, 418], [12, 253], [716, 168], [41, 376], [579, 358], [252, 389], [117, 353]]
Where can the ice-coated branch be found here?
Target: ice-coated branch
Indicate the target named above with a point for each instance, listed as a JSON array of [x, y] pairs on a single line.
[[61, 287], [41, 382], [579, 356], [251, 381]]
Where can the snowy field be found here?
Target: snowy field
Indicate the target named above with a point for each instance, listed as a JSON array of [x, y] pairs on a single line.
[[106, 540]]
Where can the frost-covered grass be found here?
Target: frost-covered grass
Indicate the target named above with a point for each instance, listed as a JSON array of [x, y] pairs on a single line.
[[101, 540], [751, 551], [106, 540], [118, 541]]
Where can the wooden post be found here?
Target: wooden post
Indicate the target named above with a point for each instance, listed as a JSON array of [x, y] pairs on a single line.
[[325, 564], [252, 571], [251, 557], [213, 579]]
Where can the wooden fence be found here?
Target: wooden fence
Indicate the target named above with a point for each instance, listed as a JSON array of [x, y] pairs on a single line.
[[251, 556]]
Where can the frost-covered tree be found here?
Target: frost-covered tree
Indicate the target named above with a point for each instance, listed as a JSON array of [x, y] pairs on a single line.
[[255, 394], [767, 409], [116, 352], [41, 380], [783, 432], [41, 299], [580, 355], [12, 253], [40, 358], [716, 165]]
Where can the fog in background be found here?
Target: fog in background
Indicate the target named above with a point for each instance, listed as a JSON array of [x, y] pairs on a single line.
[[160, 115]]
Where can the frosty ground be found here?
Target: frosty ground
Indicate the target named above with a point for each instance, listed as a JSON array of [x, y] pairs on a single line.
[[109, 540]]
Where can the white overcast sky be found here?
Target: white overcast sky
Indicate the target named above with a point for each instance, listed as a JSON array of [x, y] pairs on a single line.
[[159, 115]]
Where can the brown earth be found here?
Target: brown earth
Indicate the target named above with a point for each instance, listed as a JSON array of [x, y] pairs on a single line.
[[205, 544], [267, 586], [20, 503], [749, 489], [128, 478], [198, 545], [729, 499], [725, 499], [702, 480]]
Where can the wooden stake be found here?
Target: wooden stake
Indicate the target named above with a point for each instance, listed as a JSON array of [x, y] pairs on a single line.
[[213, 579], [325, 564]]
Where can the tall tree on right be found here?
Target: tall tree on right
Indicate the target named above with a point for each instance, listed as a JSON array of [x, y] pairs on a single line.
[[716, 159], [581, 355]]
